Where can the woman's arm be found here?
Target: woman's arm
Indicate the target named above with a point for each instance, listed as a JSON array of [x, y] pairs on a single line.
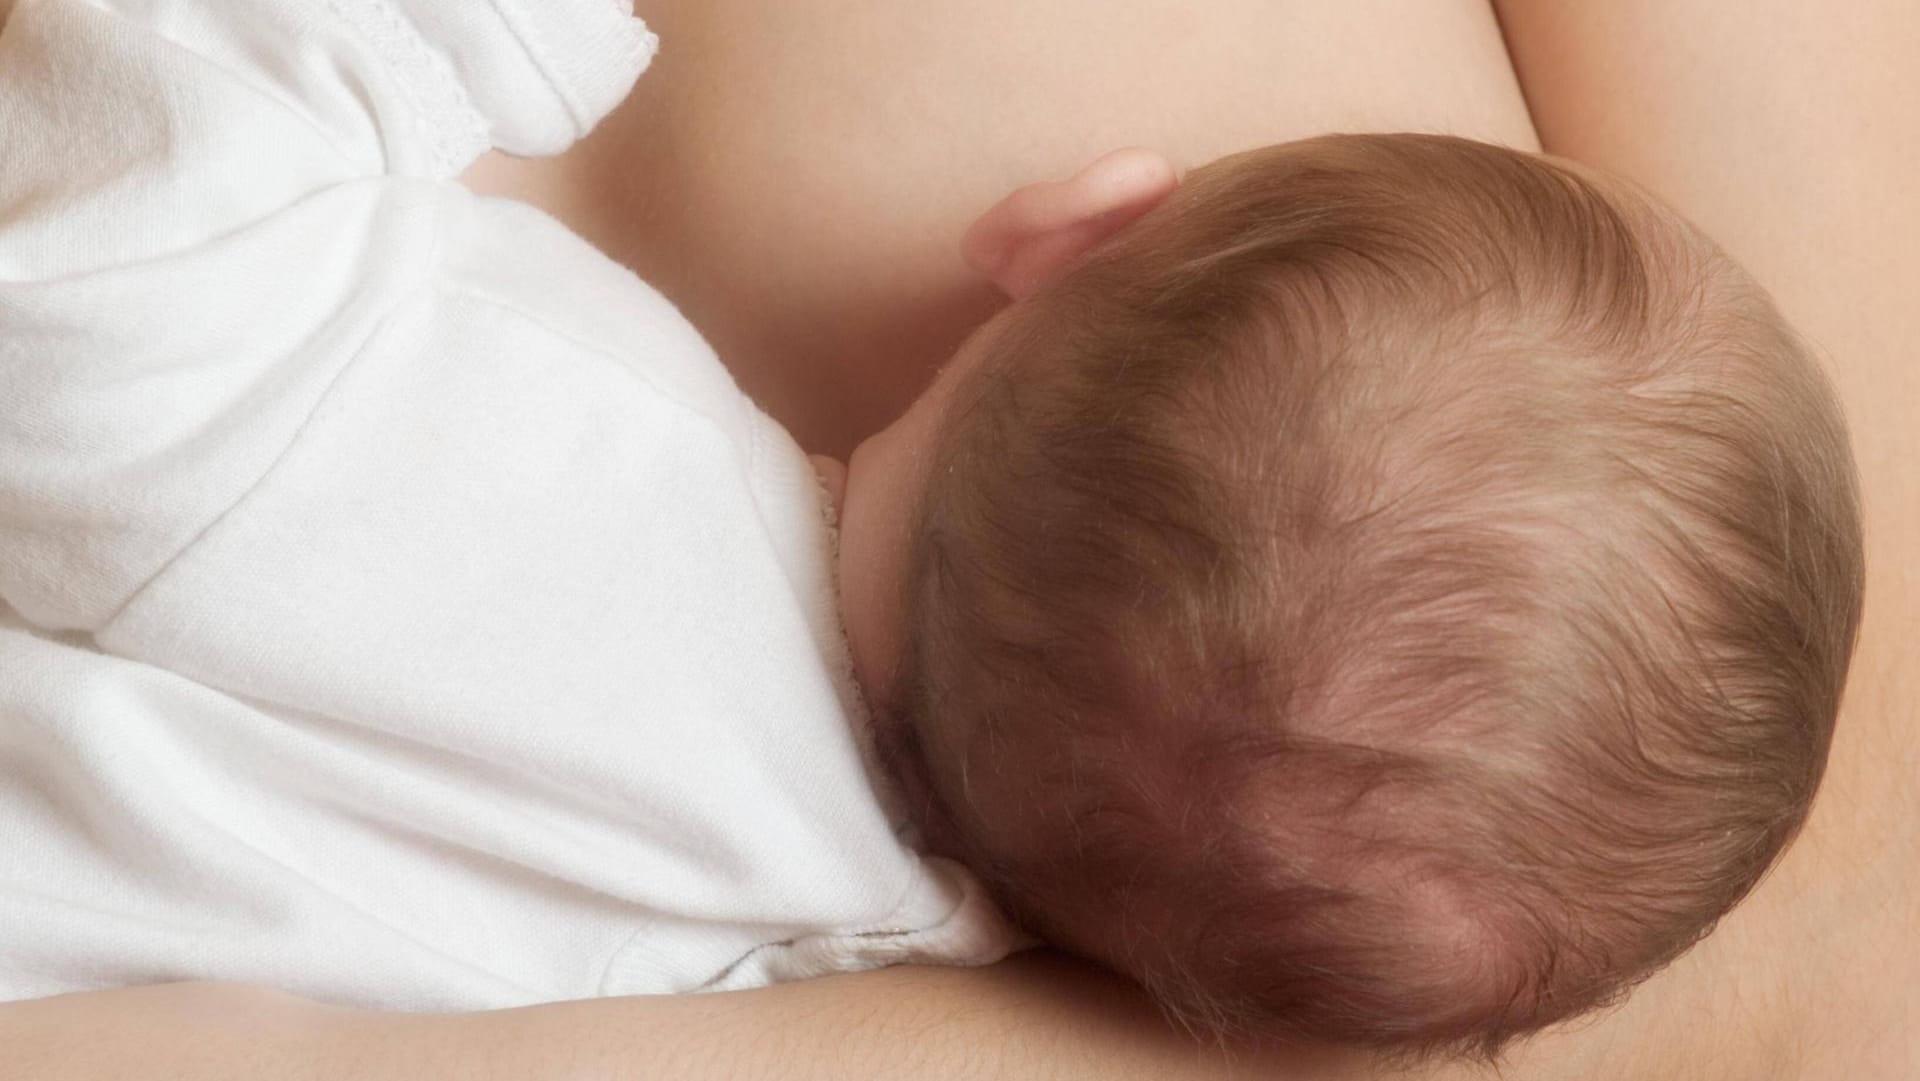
[[1791, 133], [1035, 1018]]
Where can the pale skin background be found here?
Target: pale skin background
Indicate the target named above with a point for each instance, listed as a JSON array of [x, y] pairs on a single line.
[[796, 174]]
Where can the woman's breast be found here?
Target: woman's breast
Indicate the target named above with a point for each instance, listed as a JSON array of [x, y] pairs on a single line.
[[796, 175]]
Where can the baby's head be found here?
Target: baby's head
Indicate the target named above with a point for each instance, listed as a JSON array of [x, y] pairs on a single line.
[[1397, 591]]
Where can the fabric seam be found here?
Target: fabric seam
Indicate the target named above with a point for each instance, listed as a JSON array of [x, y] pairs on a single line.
[[299, 431], [431, 88]]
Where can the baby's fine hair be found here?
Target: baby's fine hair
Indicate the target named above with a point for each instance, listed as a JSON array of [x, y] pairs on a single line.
[[1398, 592]]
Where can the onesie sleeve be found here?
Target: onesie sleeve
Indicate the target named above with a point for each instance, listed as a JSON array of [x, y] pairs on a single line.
[[205, 209]]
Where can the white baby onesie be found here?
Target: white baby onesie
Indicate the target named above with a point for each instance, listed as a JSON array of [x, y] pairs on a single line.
[[401, 604]]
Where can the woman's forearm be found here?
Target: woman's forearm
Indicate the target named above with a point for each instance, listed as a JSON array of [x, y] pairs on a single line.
[[201, 1031], [1033, 1018]]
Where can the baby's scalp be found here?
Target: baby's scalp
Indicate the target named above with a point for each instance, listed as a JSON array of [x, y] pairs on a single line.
[[1398, 592]]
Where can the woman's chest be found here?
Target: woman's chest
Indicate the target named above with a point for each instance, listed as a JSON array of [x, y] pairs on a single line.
[[796, 176]]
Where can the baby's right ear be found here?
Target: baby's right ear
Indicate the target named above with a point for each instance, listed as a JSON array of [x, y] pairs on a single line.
[[1033, 235]]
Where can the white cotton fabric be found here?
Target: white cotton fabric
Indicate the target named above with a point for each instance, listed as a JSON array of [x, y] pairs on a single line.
[[399, 604]]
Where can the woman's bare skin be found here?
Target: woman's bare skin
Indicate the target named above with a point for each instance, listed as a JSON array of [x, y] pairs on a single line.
[[797, 175], [1793, 137]]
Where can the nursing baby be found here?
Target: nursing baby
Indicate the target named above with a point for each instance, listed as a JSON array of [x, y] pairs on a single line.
[[1386, 589]]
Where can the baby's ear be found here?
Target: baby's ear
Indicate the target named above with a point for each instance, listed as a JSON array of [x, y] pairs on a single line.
[[1033, 235]]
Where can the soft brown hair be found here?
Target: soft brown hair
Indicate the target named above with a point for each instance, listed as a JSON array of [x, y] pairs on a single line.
[[1398, 592]]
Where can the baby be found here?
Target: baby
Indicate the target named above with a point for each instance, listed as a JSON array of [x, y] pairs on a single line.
[[1390, 589], [1399, 590]]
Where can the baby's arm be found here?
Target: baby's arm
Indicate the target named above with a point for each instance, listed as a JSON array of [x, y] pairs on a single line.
[[327, 470], [203, 208]]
